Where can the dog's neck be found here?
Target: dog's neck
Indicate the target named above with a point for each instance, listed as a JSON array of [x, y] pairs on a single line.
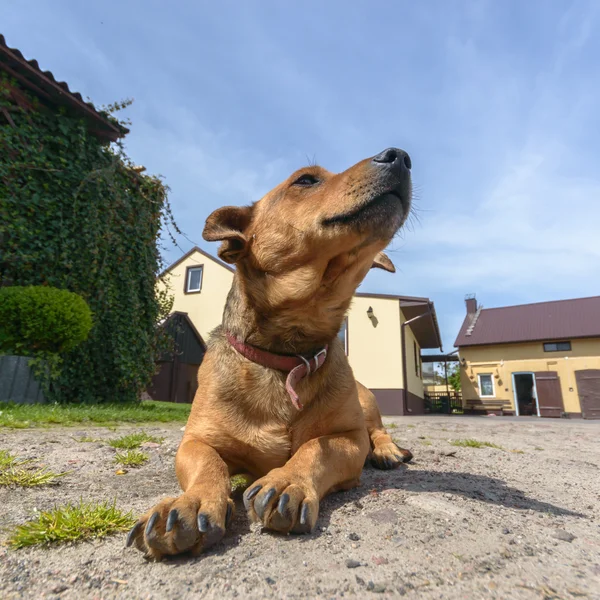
[[279, 331]]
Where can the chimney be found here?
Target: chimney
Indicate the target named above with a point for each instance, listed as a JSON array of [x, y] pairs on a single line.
[[471, 302]]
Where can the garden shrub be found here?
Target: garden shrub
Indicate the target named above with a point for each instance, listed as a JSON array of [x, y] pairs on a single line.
[[37, 319]]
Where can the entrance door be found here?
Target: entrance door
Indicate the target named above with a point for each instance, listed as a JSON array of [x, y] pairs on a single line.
[[588, 386], [549, 394], [525, 394]]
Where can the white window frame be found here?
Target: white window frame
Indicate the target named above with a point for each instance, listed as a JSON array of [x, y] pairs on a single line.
[[345, 328], [491, 376], [190, 270]]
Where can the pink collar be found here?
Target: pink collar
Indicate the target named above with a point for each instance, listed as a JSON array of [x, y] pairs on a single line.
[[297, 367]]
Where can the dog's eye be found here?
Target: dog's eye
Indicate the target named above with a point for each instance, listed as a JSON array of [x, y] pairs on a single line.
[[306, 180]]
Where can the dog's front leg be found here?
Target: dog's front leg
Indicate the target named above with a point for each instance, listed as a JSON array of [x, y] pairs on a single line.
[[287, 498], [195, 520]]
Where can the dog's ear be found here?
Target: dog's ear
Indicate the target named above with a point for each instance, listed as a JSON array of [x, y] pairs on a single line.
[[382, 261], [228, 225]]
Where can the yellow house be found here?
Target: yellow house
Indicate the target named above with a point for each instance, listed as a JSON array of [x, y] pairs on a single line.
[[383, 334], [199, 284], [533, 359]]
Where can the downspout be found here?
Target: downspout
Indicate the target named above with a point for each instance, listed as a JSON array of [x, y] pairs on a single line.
[[403, 342]]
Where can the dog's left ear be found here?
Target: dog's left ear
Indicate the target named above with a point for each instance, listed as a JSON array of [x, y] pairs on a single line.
[[228, 225], [382, 261]]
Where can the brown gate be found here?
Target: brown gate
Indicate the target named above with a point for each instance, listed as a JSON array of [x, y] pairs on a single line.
[[549, 394], [588, 386]]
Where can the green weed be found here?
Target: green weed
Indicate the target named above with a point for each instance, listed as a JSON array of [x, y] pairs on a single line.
[[71, 523], [131, 458]]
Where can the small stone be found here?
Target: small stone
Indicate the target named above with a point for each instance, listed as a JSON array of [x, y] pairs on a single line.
[[354, 537], [379, 560], [506, 531], [58, 589], [270, 580], [565, 536], [378, 588], [352, 564], [360, 580], [370, 586]]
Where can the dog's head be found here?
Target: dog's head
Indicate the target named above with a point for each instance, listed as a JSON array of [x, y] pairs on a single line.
[[314, 237]]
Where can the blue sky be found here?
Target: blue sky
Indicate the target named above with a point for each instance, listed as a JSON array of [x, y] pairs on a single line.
[[496, 102]]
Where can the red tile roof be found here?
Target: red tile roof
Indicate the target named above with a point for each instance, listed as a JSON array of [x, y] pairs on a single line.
[[50, 91], [555, 321]]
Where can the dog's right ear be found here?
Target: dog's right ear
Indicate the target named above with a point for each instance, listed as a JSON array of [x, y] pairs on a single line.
[[228, 225], [382, 261]]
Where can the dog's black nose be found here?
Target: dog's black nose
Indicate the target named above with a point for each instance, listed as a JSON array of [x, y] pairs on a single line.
[[393, 157]]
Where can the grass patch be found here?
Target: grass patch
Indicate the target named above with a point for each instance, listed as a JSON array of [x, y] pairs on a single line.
[[410, 426], [24, 416], [239, 483], [426, 442], [21, 472], [8, 460], [71, 523], [391, 426], [518, 451], [538, 448], [86, 439], [469, 443], [134, 440], [131, 458]]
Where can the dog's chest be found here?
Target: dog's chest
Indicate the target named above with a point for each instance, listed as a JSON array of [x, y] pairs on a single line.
[[271, 444]]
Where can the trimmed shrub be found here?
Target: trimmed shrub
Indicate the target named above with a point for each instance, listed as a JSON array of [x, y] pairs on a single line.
[[39, 319]]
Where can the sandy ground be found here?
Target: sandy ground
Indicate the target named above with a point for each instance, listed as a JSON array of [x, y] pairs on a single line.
[[457, 523]]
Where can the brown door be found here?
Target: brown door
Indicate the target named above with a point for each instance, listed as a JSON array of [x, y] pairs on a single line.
[[160, 388], [549, 394], [588, 386]]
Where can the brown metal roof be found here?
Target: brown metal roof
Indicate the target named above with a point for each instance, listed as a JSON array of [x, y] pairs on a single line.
[[55, 93], [543, 321]]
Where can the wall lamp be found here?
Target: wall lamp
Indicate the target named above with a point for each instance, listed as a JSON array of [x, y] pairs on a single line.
[[370, 312]]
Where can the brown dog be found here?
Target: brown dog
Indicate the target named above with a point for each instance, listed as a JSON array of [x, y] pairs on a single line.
[[276, 396]]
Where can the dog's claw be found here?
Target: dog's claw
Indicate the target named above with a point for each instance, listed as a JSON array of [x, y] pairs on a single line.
[[151, 523], [171, 520], [249, 494], [283, 502], [304, 514], [228, 515], [260, 505], [133, 533], [202, 523]]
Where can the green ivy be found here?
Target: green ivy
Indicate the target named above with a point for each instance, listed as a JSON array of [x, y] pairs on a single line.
[[76, 215]]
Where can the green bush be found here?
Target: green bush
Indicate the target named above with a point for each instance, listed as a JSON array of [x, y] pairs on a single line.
[[36, 319]]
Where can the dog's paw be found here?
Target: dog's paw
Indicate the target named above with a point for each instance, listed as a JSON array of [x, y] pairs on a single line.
[[282, 503], [389, 456], [183, 524]]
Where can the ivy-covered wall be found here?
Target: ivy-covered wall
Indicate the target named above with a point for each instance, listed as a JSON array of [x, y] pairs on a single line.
[[75, 215]]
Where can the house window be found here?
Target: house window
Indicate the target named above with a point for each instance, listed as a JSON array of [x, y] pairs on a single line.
[[557, 347], [343, 335], [486, 385], [193, 279]]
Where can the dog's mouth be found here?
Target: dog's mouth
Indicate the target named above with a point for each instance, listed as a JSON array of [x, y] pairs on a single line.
[[381, 208]]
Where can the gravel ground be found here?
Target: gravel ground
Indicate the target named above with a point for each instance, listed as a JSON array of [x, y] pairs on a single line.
[[471, 523]]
